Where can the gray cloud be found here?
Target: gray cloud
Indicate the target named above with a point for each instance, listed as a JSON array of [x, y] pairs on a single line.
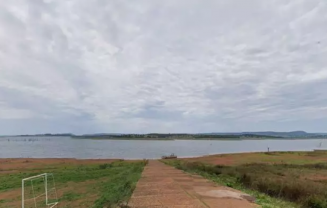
[[166, 66]]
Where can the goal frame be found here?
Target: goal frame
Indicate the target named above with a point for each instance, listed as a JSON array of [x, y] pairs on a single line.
[[45, 176]]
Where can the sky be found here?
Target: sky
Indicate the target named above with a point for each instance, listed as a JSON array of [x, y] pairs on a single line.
[[169, 66]]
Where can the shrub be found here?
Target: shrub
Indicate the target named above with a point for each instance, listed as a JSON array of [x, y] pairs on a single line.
[[145, 161], [104, 166], [315, 202], [216, 170], [290, 189]]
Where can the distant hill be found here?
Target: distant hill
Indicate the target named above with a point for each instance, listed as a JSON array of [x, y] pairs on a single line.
[[282, 134], [291, 134], [216, 135], [102, 134]]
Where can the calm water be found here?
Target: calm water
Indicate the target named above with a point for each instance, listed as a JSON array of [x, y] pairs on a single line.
[[65, 147]]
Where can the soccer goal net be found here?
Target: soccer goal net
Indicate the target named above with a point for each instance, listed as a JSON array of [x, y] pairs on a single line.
[[39, 191]]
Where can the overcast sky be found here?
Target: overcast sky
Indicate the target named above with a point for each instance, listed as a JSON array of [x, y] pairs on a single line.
[[142, 66]]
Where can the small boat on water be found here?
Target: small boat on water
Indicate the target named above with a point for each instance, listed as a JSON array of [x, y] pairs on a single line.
[[172, 156]]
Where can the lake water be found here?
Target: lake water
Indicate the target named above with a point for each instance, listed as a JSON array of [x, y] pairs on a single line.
[[66, 147]]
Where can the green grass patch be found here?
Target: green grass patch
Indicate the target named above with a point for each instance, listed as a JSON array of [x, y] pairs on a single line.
[[119, 188], [112, 183], [78, 173]]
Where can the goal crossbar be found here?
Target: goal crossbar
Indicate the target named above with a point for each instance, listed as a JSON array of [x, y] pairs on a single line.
[[37, 176]]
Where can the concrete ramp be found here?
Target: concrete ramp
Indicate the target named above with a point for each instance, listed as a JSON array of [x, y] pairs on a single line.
[[164, 186]]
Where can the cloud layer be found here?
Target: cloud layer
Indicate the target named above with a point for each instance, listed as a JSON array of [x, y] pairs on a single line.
[[162, 66]]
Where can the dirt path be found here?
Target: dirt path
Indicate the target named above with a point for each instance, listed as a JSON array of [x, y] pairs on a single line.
[[164, 186]]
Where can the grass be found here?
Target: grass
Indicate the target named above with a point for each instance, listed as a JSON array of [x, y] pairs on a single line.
[[70, 196], [88, 185], [274, 185], [266, 157], [119, 188], [215, 174]]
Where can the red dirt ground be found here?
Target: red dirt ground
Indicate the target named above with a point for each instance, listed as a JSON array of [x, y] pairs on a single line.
[[315, 177], [13, 165]]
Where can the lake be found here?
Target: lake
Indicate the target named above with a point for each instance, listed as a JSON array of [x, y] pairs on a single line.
[[66, 147]]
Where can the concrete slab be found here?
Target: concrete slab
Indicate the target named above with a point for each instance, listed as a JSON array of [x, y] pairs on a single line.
[[162, 186]]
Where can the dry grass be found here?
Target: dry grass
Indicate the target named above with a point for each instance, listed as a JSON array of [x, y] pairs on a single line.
[[263, 157], [296, 177]]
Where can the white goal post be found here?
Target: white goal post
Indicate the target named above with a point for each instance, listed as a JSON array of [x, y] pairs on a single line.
[[41, 191]]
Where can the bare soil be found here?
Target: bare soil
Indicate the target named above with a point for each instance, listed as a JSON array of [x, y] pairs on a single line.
[[9, 165], [269, 157]]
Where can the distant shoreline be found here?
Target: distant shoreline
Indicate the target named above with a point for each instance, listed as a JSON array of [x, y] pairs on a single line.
[[172, 138], [198, 139], [229, 136]]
